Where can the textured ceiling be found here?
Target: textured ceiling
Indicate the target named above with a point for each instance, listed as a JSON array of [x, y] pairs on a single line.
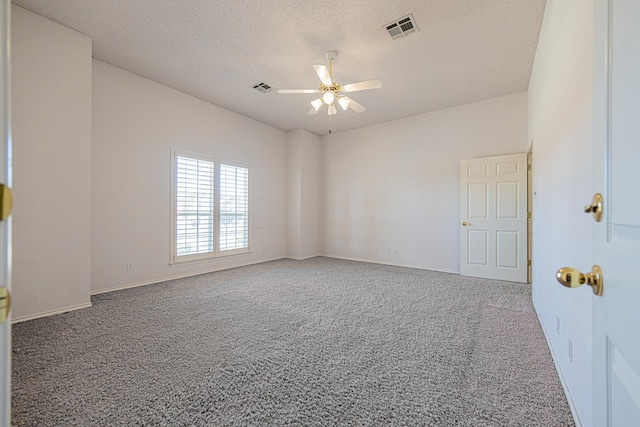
[[465, 51]]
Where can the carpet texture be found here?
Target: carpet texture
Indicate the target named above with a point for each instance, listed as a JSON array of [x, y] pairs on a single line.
[[320, 342]]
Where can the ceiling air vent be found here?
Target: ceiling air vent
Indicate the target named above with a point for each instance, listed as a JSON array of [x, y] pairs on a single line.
[[262, 87], [402, 27]]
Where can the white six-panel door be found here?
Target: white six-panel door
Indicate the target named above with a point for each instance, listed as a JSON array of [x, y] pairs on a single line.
[[493, 217], [616, 239]]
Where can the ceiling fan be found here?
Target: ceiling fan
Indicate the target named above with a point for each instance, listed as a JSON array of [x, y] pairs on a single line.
[[333, 92]]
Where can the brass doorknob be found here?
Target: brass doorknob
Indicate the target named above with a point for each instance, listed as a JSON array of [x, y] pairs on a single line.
[[573, 278], [465, 223]]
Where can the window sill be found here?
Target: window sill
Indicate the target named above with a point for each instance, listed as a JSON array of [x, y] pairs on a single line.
[[180, 263]]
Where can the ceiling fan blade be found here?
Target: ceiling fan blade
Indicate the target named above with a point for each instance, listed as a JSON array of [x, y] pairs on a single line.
[[369, 84], [313, 111], [358, 108], [323, 74], [286, 91]]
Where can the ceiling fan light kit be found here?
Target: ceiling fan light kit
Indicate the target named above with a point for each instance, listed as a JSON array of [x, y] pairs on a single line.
[[316, 104], [332, 91]]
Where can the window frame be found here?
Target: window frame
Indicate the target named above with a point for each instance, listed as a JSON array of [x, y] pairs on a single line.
[[176, 259]]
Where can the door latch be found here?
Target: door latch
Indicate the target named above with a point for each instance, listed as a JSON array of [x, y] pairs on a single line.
[[596, 207]]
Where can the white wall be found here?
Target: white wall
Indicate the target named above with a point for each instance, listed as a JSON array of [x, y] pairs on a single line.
[[395, 186], [51, 73], [560, 125], [303, 194], [135, 124]]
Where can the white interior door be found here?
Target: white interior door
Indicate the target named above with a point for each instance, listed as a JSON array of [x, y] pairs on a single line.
[[616, 246], [5, 226], [493, 217]]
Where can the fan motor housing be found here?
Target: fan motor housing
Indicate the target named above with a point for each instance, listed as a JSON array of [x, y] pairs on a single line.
[[336, 87]]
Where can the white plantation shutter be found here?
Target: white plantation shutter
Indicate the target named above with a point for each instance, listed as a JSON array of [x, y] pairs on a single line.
[[210, 208], [194, 206], [234, 207]]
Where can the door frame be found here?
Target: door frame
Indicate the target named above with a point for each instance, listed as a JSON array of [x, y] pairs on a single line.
[[530, 213], [5, 226]]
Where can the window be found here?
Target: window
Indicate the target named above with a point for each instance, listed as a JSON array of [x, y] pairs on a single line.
[[234, 207], [210, 207]]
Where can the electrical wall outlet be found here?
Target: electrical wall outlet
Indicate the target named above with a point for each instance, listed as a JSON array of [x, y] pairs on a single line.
[[558, 325], [570, 351], [129, 266]]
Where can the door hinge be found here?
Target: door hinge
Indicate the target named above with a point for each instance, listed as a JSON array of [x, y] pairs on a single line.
[[528, 167], [5, 304], [6, 202], [528, 214], [528, 263]]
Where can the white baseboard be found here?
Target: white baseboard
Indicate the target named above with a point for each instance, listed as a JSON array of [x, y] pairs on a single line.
[[181, 276], [377, 261], [50, 313], [178, 276], [302, 258], [563, 381]]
